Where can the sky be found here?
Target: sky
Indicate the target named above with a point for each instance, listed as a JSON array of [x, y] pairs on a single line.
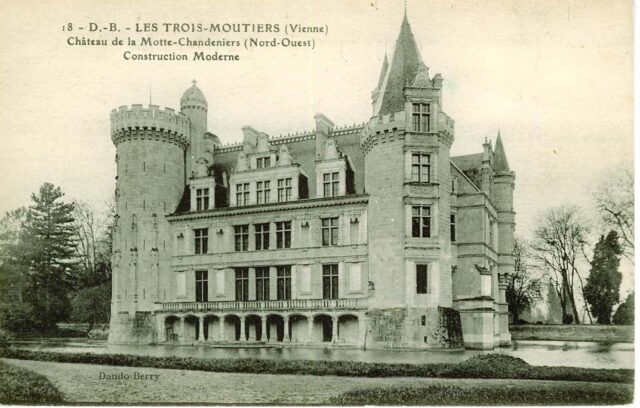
[[554, 77]]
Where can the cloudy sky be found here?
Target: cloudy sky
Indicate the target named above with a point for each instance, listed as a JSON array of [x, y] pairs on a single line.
[[555, 77]]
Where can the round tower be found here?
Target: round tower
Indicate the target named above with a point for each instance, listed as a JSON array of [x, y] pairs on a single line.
[[194, 105], [151, 145]]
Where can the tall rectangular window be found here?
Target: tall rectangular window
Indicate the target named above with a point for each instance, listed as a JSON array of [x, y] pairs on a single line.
[[452, 227], [421, 222], [283, 234], [263, 162], [262, 236], [242, 284], [201, 240], [202, 199], [421, 117], [330, 184], [329, 231], [422, 286], [330, 281], [491, 232], [202, 286], [285, 190], [242, 194], [262, 283], [284, 282], [263, 192], [241, 235], [421, 168]]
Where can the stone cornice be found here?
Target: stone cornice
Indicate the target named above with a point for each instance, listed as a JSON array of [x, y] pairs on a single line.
[[253, 209]]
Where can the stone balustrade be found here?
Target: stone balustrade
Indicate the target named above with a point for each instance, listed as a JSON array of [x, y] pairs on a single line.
[[260, 305]]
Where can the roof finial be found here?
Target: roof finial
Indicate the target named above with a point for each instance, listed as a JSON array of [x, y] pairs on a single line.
[[194, 82], [150, 93], [405, 9]]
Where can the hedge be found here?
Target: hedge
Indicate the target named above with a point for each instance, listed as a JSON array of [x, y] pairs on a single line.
[[541, 394], [481, 366]]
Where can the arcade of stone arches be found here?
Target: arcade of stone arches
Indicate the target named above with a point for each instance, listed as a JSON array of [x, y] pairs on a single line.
[[189, 328]]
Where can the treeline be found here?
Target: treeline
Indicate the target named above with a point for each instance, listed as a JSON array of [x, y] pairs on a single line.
[[576, 260], [54, 265]]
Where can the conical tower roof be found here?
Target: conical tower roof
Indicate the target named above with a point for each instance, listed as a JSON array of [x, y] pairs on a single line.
[[383, 71], [402, 70], [193, 96], [500, 163]]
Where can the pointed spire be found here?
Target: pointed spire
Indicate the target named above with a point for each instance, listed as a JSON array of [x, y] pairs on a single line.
[[500, 163], [402, 71], [383, 71]]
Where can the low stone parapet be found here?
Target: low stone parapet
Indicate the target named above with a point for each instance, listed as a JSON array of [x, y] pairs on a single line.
[[573, 332]]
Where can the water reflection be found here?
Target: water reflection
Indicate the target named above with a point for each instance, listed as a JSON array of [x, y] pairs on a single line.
[[556, 353]]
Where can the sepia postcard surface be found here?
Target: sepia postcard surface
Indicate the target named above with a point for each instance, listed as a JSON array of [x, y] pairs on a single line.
[[302, 202]]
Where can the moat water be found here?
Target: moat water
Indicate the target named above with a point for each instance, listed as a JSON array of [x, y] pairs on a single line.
[[550, 353]]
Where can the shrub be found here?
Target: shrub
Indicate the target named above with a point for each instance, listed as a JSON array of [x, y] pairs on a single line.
[[516, 394], [21, 319], [20, 386], [625, 313], [483, 366]]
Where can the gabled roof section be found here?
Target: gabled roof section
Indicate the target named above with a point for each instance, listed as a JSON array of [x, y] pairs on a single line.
[[469, 161], [500, 163], [401, 72]]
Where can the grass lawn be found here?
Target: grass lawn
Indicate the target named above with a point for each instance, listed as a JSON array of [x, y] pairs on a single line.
[[83, 384], [21, 386]]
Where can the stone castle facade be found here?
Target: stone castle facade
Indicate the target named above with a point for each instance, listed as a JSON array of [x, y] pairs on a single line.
[[369, 235]]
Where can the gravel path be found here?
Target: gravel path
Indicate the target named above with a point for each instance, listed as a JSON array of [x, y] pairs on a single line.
[[82, 383]]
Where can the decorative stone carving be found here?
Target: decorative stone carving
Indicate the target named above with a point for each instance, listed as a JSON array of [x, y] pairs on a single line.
[[242, 163], [201, 168], [284, 158], [263, 143], [331, 150], [250, 139]]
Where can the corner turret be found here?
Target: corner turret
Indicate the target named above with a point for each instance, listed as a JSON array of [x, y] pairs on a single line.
[[195, 106]]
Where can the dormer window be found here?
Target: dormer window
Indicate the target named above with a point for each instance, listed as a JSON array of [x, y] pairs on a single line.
[[421, 168], [202, 199], [263, 162], [331, 183], [421, 117]]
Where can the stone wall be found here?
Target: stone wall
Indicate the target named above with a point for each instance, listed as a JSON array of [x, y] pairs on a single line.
[[437, 327], [126, 329], [573, 332]]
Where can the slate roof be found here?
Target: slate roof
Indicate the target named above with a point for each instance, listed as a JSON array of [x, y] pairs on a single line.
[[468, 161], [500, 163], [401, 72]]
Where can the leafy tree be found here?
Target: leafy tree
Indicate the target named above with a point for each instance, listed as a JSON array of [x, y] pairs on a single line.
[[614, 199], [558, 245], [602, 289], [46, 248], [92, 305], [625, 313], [12, 271], [523, 290]]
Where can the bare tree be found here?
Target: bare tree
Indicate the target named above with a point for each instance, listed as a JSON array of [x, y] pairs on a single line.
[[93, 243], [524, 289], [614, 200], [86, 230], [558, 246]]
